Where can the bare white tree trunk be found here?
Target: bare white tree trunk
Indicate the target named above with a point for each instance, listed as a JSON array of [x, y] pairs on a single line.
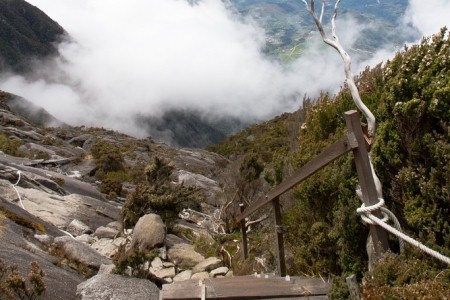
[[333, 41]]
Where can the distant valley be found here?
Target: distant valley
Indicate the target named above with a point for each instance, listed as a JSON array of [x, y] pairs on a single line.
[[288, 25]]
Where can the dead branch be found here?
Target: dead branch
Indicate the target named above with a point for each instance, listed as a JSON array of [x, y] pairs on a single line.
[[334, 43]]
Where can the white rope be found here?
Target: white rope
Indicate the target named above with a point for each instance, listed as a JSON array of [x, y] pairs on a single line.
[[368, 217], [14, 187], [21, 203]]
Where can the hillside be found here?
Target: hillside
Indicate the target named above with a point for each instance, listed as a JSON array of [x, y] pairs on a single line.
[[26, 33], [410, 97], [189, 128], [71, 198]]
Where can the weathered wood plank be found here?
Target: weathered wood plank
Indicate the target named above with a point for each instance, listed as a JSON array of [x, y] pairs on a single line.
[[330, 154], [366, 179], [247, 287]]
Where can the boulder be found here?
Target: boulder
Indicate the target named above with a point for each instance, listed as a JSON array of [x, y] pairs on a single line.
[[149, 233], [80, 140], [115, 225], [80, 252], [77, 228], [222, 271], [172, 239], [208, 264], [111, 286], [182, 276], [184, 255], [200, 276], [165, 273], [104, 232], [157, 263]]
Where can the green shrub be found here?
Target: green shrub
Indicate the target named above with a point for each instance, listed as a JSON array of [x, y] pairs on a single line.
[[107, 156], [398, 277], [9, 145], [134, 260], [159, 195], [112, 182]]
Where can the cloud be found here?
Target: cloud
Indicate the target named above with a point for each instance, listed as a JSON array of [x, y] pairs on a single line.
[[428, 16], [137, 57]]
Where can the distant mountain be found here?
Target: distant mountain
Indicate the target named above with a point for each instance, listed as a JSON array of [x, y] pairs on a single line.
[[25, 33], [190, 128]]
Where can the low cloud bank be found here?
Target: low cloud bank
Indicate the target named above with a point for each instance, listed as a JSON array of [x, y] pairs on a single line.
[[138, 57]]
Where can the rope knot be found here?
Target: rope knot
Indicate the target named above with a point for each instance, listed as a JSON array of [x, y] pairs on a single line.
[[366, 211]]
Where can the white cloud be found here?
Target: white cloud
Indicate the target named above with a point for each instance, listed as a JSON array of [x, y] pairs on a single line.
[[141, 57], [428, 16]]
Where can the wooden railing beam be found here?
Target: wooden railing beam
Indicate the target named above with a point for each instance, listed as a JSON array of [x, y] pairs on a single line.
[[330, 154]]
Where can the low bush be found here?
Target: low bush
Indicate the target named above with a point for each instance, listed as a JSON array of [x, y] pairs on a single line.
[[14, 286], [9, 145]]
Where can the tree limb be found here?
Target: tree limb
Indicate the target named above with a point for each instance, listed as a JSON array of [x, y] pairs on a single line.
[[334, 43]]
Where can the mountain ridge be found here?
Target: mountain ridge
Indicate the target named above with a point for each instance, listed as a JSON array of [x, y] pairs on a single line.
[[26, 33]]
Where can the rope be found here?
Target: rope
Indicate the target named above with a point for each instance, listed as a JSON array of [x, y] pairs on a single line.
[[368, 217], [21, 203], [14, 187]]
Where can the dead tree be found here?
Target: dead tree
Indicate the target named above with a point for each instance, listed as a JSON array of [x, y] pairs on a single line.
[[333, 41]]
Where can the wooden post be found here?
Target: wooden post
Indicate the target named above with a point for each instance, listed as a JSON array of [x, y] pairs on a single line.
[[279, 242], [353, 287], [244, 233], [366, 180]]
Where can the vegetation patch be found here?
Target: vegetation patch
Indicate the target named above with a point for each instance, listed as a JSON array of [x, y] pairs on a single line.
[[409, 96], [159, 195], [14, 286], [21, 220], [9, 145]]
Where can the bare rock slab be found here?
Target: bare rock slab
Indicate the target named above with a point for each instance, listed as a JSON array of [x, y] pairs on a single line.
[[222, 271], [77, 228], [208, 264], [200, 276], [184, 255], [104, 232], [165, 273], [111, 286], [80, 252], [182, 276]]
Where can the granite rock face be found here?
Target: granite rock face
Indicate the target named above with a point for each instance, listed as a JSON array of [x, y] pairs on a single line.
[[80, 252], [110, 286]]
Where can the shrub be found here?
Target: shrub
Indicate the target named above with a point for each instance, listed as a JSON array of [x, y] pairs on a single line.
[[8, 145], [398, 277], [107, 156], [134, 261], [159, 195], [14, 286]]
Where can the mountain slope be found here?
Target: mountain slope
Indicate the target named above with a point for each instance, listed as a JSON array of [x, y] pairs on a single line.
[[410, 98], [25, 33]]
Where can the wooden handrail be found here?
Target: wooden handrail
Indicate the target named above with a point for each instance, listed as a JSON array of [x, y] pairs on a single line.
[[336, 150]]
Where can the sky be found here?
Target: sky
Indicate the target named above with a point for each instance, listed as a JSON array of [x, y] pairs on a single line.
[[138, 57]]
